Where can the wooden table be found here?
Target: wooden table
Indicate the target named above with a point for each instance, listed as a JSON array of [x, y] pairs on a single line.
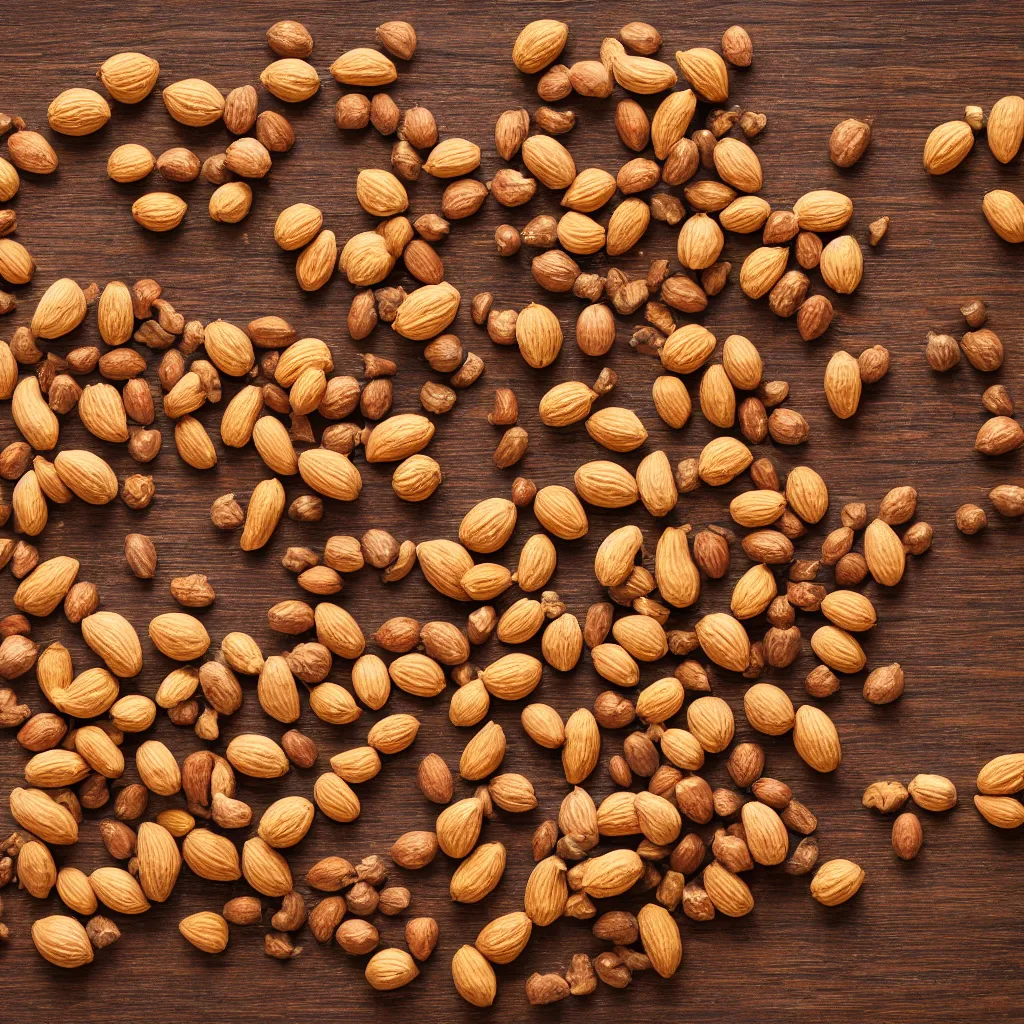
[[937, 939]]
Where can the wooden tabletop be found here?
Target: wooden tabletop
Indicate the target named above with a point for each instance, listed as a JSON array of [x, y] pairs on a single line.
[[937, 939]]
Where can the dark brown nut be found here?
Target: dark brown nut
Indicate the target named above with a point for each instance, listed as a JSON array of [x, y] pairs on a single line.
[[612, 971], [821, 682], [118, 838], [697, 904], [506, 240], [781, 646], [597, 624], [907, 836], [732, 851], [555, 84], [131, 802], [885, 796], [970, 519], [463, 198], [854, 515], [781, 227], [884, 685], [803, 858], [352, 111], [102, 931], [619, 771], [787, 426], [773, 392], [544, 839], [788, 294], [996, 400], [138, 490], [1008, 500], [418, 128], [780, 613], [632, 124], [814, 317], [393, 900], [694, 798], [613, 711], [541, 232], [711, 553], [301, 749], [745, 764], [898, 506], [983, 349], [140, 554], [692, 675], [480, 307], [668, 209], [877, 230], [974, 312], [421, 935], [752, 124], [808, 249], [501, 326], [849, 141], [617, 926], [836, 544], [469, 373], [641, 754], [511, 448]]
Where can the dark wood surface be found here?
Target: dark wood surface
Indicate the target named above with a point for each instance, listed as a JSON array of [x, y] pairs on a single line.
[[937, 939]]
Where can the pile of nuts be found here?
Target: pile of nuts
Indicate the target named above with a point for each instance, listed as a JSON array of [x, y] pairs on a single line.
[[642, 839]]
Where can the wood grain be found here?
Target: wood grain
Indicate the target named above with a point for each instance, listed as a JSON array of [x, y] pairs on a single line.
[[937, 939]]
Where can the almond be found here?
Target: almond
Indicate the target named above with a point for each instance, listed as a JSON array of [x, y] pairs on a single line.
[[291, 79], [1002, 776], [473, 977], [1005, 127], [836, 881], [389, 969], [933, 792], [706, 72], [159, 861], [114, 639], [60, 310], [816, 739], [35, 811], [643, 75], [536, 46], [823, 210], [62, 941], [129, 77], [207, 931], [549, 161], [884, 553], [83, 111], [546, 892], [159, 211], [582, 746], [363, 67], [1005, 213]]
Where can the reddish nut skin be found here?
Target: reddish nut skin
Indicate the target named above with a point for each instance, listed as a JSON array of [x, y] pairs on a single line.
[[907, 836]]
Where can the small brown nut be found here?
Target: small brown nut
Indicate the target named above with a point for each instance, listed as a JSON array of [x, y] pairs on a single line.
[[140, 554], [941, 351], [301, 750], [975, 313], [970, 519], [849, 141], [907, 836], [996, 400]]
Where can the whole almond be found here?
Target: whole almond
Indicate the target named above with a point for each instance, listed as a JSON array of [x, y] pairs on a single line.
[[947, 146], [836, 881], [1005, 128], [537, 45]]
